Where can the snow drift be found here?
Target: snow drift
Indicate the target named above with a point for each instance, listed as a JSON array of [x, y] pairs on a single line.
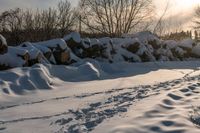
[[20, 81], [44, 76]]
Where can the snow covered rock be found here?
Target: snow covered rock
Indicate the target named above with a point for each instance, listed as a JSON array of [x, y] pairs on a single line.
[[164, 54], [3, 45], [135, 46], [15, 57], [196, 51], [59, 49], [73, 41], [101, 49], [108, 49], [170, 43], [53, 44], [74, 36], [181, 49], [94, 50], [155, 44], [139, 47], [45, 50], [36, 56], [187, 46], [132, 45]]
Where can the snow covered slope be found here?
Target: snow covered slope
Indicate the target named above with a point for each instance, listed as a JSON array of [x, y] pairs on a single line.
[[101, 97], [20, 81]]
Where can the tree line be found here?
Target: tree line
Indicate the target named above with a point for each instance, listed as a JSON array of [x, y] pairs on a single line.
[[90, 17], [19, 25]]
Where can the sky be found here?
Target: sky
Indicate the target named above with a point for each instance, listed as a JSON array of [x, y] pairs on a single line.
[[178, 5], [33, 4], [180, 12], [179, 9]]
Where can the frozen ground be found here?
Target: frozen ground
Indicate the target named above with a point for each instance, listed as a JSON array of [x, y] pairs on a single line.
[[101, 98]]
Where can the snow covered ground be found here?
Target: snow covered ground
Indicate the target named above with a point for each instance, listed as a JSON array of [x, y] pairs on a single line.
[[154, 97]]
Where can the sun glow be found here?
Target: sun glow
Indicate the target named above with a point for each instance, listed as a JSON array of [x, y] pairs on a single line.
[[186, 3], [176, 6]]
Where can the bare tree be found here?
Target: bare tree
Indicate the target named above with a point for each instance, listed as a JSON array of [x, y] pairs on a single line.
[[28, 19], [26, 25], [12, 19], [197, 18], [12, 22], [48, 22], [115, 17], [66, 17], [160, 26]]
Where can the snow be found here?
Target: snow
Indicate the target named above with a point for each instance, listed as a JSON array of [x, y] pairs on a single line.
[[97, 96], [33, 52], [3, 40], [187, 43], [100, 97], [139, 47], [129, 41], [121, 53], [171, 44], [95, 42], [196, 50], [74, 35], [43, 49], [180, 51], [86, 42], [54, 43], [11, 60], [144, 36], [12, 57]]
